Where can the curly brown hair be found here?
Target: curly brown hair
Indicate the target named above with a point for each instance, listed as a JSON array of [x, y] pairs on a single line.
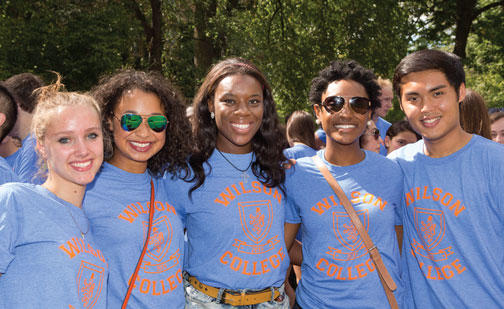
[[172, 158]]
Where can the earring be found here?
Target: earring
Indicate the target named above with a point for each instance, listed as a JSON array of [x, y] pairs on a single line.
[[212, 115]]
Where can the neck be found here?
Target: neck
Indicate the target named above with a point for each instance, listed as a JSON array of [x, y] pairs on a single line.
[[375, 117], [23, 124], [343, 155], [447, 145], [130, 166], [70, 192]]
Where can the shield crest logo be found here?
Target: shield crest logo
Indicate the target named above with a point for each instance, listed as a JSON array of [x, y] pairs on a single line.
[[256, 218], [89, 283], [160, 238], [345, 231], [430, 226]]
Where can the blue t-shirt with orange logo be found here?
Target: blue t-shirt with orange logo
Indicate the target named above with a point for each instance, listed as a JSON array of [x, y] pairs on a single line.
[[117, 205], [45, 262], [234, 227], [337, 271], [454, 225]]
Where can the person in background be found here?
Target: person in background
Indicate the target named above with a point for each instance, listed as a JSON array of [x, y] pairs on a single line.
[[371, 139], [300, 135], [48, 256], [24, 160], [320, 137], [474, 115], [453, 202], [147, 135], [8, 116], [497, 127], [400, 134], [386, 97]]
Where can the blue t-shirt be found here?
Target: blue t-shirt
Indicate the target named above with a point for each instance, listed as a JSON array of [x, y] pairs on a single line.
[[24, 162], [234, 227], [454, 225], [117, 205], [299, 151], [44, 260], [321, 134], [383, 125], [6, 173], [337, 269]]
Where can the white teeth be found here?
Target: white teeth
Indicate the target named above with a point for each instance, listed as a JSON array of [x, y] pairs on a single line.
[[432, 120], [82, 164], [141, 145], [241, 126], [345, 126]]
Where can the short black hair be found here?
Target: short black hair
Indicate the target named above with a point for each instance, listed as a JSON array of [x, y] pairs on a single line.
[[345, 70], [430, 59], [8, 106], [23, 86]]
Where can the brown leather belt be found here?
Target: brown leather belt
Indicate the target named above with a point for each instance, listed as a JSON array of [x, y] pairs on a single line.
[[235, 298]]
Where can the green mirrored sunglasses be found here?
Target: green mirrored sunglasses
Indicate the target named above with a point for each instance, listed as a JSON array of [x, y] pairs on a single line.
[[130, 122]]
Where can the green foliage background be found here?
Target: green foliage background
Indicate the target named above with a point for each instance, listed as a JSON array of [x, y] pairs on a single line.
[[289, 40]]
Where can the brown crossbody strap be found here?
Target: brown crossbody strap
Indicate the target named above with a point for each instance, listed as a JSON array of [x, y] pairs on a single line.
[[144, 248], [388, 283]]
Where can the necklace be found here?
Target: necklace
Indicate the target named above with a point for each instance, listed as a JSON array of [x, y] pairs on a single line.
[[244, 174], [83, 234]]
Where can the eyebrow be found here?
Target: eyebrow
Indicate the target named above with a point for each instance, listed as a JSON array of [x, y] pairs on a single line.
[[232, 95], [430, 90], [437, 88], [136, 113]]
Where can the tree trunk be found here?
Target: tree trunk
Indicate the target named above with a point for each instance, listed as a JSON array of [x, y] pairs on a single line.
[[465, 16], [157, 39], [205, 51]]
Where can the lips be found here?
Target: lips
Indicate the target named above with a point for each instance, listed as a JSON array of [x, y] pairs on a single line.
[[82, 166], [241, 127], [140, 146], [430, 122]]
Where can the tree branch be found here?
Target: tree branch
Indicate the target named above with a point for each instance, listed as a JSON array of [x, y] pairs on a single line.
[[486, 8]]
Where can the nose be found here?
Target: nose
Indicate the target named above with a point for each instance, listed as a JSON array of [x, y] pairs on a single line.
[[143, 129], [346, 110], [242, 108], [81, 147]]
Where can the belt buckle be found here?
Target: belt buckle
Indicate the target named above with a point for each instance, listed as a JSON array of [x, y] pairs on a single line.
[[242, 297]]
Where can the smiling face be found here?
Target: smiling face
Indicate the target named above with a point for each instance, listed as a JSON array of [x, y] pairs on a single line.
[[345, 126], [72, 146], [133, 149], [431, 105], [238, 106]]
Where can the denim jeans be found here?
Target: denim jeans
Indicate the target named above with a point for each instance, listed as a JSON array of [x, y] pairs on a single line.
[[199, 300]]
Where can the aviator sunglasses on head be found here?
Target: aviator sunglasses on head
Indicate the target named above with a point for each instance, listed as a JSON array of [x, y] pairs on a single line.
[[130, 122], [334, 104]]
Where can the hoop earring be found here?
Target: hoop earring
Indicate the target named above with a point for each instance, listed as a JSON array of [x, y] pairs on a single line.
[[212, 115]]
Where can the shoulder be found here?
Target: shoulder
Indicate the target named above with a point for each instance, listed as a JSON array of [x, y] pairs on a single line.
[[408, 152], [6, 172], [381, 166]]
